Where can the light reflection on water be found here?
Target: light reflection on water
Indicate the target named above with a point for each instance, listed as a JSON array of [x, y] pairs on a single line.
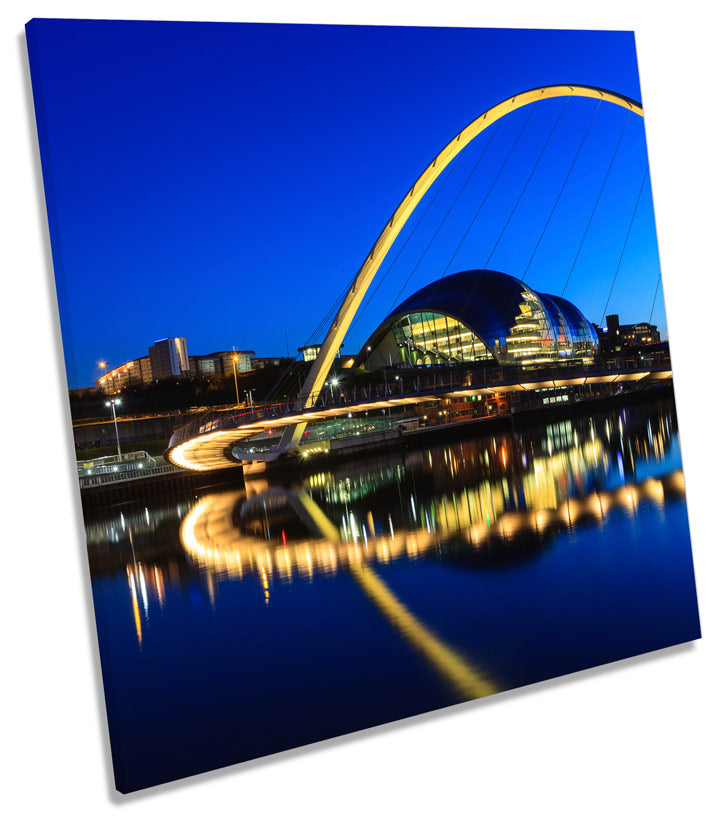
[[451, 548]]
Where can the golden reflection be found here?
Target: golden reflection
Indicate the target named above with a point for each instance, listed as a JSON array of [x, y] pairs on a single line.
[[206, 516], [534, 489], [159, 586], [528, 497], [147, 586], [212, 538], [467, 681], [135, 606]]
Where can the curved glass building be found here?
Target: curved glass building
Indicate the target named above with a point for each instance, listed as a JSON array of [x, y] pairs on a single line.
[[481, 315]]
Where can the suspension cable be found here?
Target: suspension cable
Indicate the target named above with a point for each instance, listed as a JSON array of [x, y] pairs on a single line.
[[560, 192], [597, 201], [444, 219], [527, 183], [338, 301], [622, 252], [482, 204], [657, 287], [284, 377], [405, 243]]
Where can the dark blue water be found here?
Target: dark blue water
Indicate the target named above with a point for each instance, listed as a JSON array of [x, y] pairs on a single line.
[[235, 624]]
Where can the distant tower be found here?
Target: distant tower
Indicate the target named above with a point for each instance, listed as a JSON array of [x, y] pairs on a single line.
[[169, 358]]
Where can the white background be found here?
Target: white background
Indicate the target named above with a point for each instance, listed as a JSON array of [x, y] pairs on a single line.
[[636, 738]]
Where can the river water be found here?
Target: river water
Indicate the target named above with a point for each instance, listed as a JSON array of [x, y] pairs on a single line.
[[238, 621]]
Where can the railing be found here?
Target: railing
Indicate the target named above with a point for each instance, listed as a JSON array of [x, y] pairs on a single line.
[[399, 383], [128, 466], [110, 462], [130, 475]]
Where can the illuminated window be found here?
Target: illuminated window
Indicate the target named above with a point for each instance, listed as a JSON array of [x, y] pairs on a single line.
[[426, 338], [531, 339]]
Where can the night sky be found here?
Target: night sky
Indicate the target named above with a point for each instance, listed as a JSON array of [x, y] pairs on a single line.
[[224, 182]]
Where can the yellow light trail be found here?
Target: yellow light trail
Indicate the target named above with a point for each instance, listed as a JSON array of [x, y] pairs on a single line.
[[465, 679]]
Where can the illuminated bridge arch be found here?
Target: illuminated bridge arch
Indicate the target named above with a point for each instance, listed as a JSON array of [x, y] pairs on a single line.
[[210, 449], [357, 290]]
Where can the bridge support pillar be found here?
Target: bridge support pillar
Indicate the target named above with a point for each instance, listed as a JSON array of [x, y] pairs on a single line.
[[254, 468]]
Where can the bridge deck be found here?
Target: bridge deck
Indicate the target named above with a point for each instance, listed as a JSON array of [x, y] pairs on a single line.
[[206, 444]]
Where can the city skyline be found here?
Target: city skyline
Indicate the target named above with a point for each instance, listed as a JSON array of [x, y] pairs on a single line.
[[229, 179]]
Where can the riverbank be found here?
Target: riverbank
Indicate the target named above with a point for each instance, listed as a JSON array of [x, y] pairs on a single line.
[[341, 450]]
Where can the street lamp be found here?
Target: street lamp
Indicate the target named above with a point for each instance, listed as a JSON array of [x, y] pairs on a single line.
[[237, 394], [103, 364], [332, 383], [235, 359], [111, 403]]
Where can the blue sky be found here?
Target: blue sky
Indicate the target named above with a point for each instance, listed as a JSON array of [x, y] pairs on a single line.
[[225, 181]]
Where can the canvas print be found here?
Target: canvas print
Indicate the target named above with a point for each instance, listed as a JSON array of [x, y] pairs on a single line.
[[369, 372]]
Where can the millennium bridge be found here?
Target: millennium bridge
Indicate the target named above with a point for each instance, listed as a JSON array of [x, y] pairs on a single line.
[[214, 441]]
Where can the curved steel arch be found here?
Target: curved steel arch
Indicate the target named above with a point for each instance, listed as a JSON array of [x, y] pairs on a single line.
[[357, 290]]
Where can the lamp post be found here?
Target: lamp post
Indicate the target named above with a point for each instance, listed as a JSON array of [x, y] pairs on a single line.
[[111, 403], [333, 383], [103, 364], [249, 395], [237, 394]]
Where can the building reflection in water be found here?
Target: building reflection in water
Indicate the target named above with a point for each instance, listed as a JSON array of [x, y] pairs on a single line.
[[143, 546], [490, 501], [486, 502], [212, 538], [147, 587]]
